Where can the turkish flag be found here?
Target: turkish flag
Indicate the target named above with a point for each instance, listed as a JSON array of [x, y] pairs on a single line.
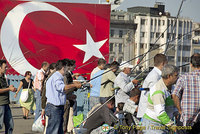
[[33, 32]]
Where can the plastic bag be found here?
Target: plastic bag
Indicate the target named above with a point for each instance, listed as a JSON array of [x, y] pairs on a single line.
[[78, 119], [79, 130], [37, 125], [24, 95]]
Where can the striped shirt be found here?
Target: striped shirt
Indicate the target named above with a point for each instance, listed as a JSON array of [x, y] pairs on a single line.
[[188, 90], [160, 106]]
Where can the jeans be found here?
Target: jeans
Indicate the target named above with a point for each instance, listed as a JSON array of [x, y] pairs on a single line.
[[38, 104], [93, 101], [55, 119], [151, 127], [6, 118]]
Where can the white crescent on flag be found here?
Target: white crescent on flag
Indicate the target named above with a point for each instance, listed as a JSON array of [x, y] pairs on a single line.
[[10, 33]]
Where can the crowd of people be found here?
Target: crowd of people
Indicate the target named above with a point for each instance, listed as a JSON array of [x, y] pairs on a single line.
[[165, 102]]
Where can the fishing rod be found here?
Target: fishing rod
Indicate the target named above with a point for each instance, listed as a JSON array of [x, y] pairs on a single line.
[[171, 41], [166, 51], [142, 54], [89, 62], [171, 48], [152, 64]]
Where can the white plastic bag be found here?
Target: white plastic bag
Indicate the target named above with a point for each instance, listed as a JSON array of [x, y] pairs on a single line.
[[24, 95], [79, 130], [37, 125]]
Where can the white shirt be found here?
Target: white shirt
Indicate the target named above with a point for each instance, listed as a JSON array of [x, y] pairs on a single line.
[[125, 84], [149, 82], [129, 106], [95, 70]]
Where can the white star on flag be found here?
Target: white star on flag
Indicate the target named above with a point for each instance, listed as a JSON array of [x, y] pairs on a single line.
[[91, 48]]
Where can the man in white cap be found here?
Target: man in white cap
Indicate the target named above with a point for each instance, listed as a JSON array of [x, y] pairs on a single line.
[[124, 82]]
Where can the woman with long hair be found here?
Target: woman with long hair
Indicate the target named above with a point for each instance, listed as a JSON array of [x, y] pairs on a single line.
[[26, 84]]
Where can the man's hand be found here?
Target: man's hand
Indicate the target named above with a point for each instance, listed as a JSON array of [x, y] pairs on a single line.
[[77, 84], [42, 113], [12, 88], [135, 81]]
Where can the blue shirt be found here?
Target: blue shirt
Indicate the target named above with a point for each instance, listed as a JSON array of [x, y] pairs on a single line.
[[96, 84], [55, 89]]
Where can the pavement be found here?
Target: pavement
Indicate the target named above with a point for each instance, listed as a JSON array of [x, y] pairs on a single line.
[[21, 126]]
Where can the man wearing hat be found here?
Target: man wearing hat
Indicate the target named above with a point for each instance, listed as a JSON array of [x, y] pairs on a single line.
[[124, 82]]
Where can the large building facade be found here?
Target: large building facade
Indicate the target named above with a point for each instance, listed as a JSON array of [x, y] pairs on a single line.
[[196, 38], [155, 29], [122, 31]]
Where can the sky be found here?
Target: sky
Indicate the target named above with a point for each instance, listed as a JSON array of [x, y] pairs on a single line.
[[190, 8]]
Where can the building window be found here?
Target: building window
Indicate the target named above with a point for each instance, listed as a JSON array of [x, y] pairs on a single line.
[[174, 36], [172, 23], [189, 36], [112, 17], [152, 22], [179, 59], [196, 50], [168, 23], [111, 59], [142, 21], [120, 48], [120, 60], [111, 33], [120, 17], [142, 34], [120, 33], [158, 22], [163, 35], [180, 23], [111, 47], [141, 45], [152, 35], [186, 48], [168, 36], [185, 59], [171, 58], [155, 22], [180, 47], [197, 33], [184, 69], [179, 36], [157, 35], [163, 22], [155, 46]]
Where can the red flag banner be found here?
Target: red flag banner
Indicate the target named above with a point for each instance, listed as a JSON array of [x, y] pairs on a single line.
[[33, 32]]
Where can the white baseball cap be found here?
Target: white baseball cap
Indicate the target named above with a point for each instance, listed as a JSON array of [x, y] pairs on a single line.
[[125, 64]]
